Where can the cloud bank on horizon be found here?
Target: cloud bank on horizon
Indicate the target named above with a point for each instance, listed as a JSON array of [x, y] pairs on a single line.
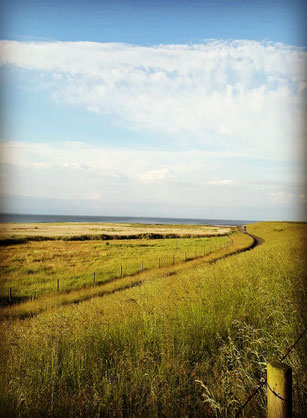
[[233, 110]]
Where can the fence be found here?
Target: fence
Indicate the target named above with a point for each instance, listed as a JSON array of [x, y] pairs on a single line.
[[121, 269], [279, 387]]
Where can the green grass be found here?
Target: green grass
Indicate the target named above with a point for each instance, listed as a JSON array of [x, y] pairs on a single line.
[[33, 268], [189, 340]]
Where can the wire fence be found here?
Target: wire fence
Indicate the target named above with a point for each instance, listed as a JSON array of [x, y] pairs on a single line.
[[263, 381], [121, 271]]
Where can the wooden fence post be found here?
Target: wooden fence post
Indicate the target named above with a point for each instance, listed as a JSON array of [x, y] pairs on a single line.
[[279, 390], [58, 284], [159, 263], [94, 277], [121, 271]]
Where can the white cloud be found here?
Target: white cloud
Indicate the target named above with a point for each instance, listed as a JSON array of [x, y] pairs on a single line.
[[75, 166], [225, 181], [243, 96], [156, 175], [227, 98], [80, 167], [118, 180]]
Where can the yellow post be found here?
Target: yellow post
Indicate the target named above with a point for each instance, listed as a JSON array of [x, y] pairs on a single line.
[[279, 390]]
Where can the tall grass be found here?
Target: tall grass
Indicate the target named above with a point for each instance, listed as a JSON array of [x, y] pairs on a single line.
[[53, 300], [194, 343], [32, 269]]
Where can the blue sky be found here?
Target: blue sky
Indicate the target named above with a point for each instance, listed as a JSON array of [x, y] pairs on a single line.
[[151, 22], [157, 108]]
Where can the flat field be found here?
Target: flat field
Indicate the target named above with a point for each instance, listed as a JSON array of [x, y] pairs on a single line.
[[33, 268], [190, 339], [82, 229]]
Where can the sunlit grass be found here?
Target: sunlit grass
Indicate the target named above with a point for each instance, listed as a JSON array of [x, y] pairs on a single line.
[[32, 269], [189, 340], [68, 230]]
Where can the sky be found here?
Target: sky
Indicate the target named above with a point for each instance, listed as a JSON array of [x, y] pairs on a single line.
[[153, 108]]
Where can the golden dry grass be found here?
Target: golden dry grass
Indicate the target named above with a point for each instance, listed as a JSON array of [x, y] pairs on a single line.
[[8, 230], [190, 340]]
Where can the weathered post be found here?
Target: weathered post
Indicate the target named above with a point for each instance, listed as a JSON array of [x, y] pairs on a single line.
[[159, 263], [279, 390], [58, 284], [94, 277], [121, 271]]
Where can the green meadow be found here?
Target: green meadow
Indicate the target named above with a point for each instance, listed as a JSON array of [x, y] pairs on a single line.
[[187, 339], [32, 269]]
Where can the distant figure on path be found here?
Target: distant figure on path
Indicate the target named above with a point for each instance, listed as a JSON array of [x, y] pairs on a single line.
[[244, 229]]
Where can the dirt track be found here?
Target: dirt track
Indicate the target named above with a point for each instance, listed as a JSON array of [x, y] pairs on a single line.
[[257, 240]]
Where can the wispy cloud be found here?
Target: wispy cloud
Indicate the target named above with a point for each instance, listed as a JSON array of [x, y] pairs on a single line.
[[242, 96], [230, 99], [77, 170]]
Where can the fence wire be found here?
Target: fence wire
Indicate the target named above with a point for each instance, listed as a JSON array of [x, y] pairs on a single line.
[[264, 380]]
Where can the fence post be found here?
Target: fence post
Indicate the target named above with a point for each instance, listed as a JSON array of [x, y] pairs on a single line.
[[121, 271], [58, 284], [94, 277], [159, 263], [279, 390]]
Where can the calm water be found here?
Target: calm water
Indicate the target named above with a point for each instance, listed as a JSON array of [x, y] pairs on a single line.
[[11, 217]]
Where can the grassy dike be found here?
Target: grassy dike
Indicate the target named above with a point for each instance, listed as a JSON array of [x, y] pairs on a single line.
[[190, 340]]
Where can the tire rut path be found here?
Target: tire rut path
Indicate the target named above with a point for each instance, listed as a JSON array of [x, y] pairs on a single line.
[[256, 242]]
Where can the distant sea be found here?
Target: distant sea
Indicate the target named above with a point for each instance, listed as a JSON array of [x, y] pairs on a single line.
[[21, 218]]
